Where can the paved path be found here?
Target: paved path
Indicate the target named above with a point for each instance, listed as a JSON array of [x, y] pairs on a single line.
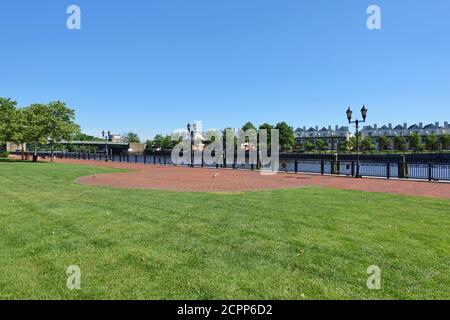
[[222, 180]]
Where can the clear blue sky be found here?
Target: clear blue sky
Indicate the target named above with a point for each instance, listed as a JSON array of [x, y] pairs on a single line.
[[150, 66]]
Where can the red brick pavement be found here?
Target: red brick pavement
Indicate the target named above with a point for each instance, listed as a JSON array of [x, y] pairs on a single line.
[[222, 180]]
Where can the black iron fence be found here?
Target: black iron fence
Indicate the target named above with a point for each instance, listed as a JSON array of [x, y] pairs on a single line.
[[394, 168]]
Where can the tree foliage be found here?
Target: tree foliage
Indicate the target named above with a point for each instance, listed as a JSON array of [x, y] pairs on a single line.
[[444, 140], [431, 142], [132, 137], [37, 123], [414, 141], [384, 143], [287, 137], [399, 143]]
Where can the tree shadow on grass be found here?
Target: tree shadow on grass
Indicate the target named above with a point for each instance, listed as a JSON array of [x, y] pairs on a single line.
[[19, 161]]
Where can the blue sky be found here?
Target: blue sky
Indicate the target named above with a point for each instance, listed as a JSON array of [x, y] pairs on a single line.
[[150, 66]]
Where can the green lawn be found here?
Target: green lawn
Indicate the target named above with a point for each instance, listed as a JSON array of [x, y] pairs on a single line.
[[286, 244]]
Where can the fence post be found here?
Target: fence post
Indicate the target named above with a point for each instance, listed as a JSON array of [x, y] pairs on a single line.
[[322, 167], [296, 166], [388, 170], [165, 162], [430, 172], [145, 158], [353, 168], [154, 159], [203, 157], [403, 168]]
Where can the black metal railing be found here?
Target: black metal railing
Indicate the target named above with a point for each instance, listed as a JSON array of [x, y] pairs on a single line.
[[393, 168]]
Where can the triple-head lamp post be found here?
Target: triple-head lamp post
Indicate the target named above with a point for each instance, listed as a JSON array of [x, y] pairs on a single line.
[[356, 122]]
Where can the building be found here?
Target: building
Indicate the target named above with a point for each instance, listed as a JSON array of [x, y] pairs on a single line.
[[404, 130], [332, 138], [12, 147]]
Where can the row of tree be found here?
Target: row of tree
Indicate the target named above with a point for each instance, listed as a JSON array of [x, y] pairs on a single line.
[[37, 123], [287, 138], [412, 142]]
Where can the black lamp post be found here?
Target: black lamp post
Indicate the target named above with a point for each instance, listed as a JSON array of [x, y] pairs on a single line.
[[356, 122], [192, 131], [107, 137]]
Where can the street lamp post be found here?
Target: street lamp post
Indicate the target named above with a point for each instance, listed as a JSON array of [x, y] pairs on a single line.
[[192, 131], [356, 122], [106, 136]]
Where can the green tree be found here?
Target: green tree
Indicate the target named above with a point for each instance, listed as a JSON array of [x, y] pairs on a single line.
[[61, 124], [414, 141], [321, 145], [158, 142], [308, 146], [399, 143], [132, 137], [12, 124], [431, 142], [38, 119], [367, 143], [268, 128], [444, 140], [287, 137], [346, 145], [248, 126], [8, 115], [384, 143]]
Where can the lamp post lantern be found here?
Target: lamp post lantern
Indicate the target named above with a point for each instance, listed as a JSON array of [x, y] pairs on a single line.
[[107, 137], [192, 131], [356, 122]]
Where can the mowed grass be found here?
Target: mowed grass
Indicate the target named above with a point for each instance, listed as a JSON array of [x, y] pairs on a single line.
[[308, 243]]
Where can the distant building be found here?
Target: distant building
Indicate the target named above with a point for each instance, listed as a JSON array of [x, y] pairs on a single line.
[[404, 130], [332, 138], [12, 147], [116, 138]]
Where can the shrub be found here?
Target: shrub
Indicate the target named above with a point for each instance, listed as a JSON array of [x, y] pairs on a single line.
[[4, 154]]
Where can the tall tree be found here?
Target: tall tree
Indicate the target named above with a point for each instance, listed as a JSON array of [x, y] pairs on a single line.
[[431, 142], [444, 140], [287, 137], [399, 143], [248, 126], [346, 145], [321, 145], [132, 137], [38, 119], [367, 144], [414, 141], [268, 128], [384, 143], [62, 124], [8, 115], [308, 146]]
